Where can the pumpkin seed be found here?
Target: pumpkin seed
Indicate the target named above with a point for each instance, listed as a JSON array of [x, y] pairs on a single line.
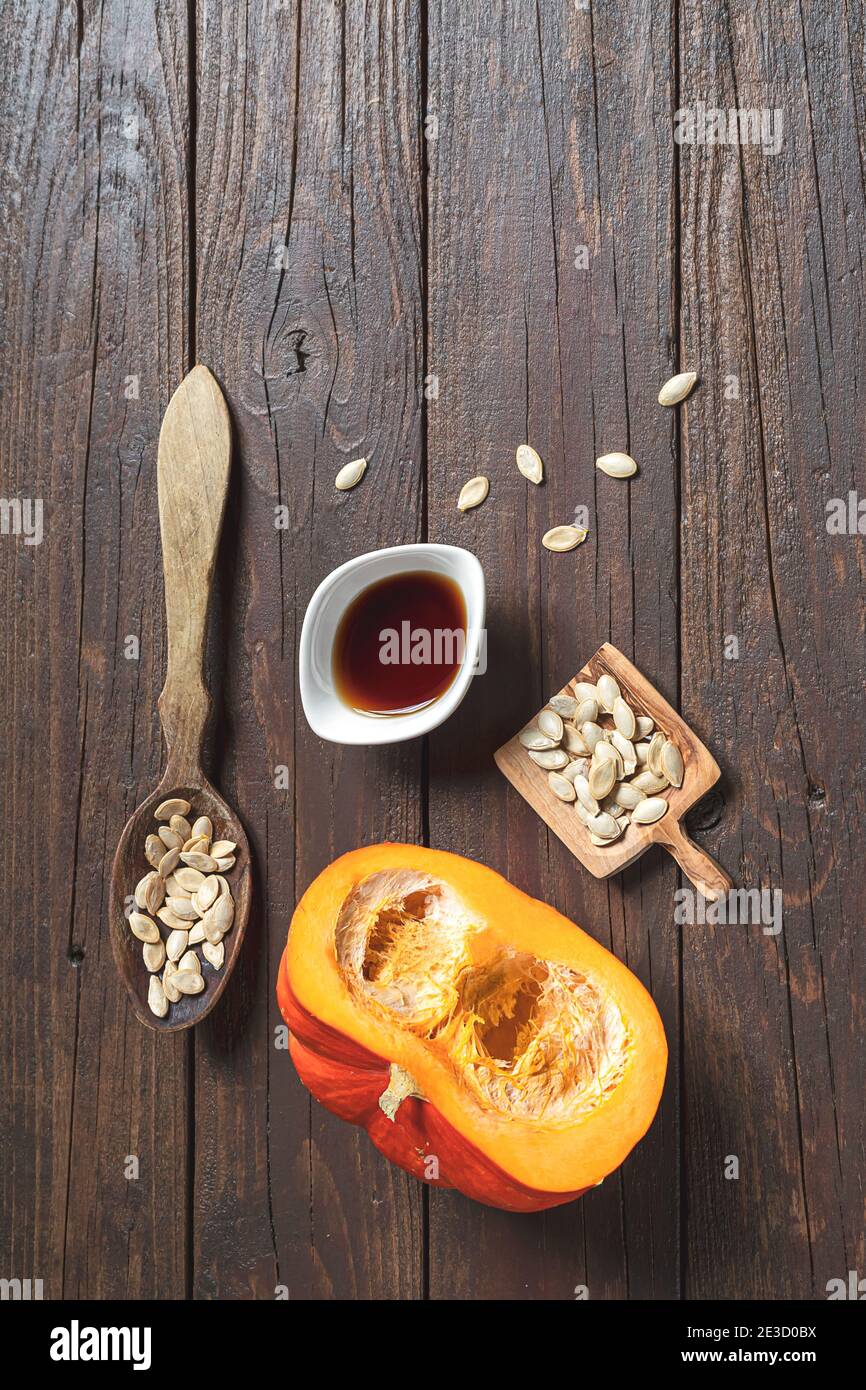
[[551, 759], [608, 692], [654, 756], [189, 961], [627, 795], [190, 880], [644, 725], [601, 779], [143, 927], [564, 705], [550, 724], [175, 806], [617, 465], [623, 718], [625, 748], [168, 984], [574, 742], [208, 893], [350, 475], [154, 954], [584, 795], [473, 493], [220, 849], [199, 843], [197, 935], [560, 786], [672, 764], [651, 809], [169, 837], [577, 767], [585, 690], [155, 894], [169, 862], [605, 752], [592, 734], [180, 826], [203, 862], [583, 814], [561, 538], [227, 862], [140, 894], [586, 712], [154, 849], [188, 981], [647, 781], [202, 828], [219, 919], [184, 908], [641, 753], [172, 921], [604, 826], [535, 739], [156, 1000], [176, 944], [676, 388], [529, 463], [215, 953]]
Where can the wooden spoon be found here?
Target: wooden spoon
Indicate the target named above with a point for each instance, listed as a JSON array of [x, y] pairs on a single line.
[[192, 478]]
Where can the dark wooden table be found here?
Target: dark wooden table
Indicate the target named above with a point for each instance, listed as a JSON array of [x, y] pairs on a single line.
[[426, 233]]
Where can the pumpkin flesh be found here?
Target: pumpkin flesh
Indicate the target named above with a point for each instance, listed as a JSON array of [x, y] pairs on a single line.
[[457, 1019]]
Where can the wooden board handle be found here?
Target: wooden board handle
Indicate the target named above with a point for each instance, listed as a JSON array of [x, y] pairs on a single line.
[[708, 877], [192, 481]]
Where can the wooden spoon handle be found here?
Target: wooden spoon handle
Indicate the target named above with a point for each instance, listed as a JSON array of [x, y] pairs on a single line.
[[708, 877], [192, 479]]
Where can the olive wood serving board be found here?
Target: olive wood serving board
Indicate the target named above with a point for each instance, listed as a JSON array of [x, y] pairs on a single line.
[[701, 772]]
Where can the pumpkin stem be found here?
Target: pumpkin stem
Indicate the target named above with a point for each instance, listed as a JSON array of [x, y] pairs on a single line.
[[400, 1086]]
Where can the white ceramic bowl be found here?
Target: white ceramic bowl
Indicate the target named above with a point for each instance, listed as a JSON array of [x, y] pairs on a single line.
[[328, 715]]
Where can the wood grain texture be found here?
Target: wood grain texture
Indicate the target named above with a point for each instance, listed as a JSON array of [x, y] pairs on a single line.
[[773, 313], [552, 322], [310, 313], [250, 186], [94, 224]]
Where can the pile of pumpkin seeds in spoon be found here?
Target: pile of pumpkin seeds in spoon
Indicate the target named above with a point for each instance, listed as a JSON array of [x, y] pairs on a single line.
[[187, 891], [612, 764]]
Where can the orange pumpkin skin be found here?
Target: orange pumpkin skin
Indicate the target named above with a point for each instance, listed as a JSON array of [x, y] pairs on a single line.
[[345, 1055], [348, 1080]]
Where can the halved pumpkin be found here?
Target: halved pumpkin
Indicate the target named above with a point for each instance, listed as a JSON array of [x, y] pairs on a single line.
[[483, 1040]]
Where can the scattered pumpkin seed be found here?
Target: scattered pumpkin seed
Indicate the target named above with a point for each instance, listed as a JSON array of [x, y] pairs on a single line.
[[168, 984], [585, 690], [189, 961], [529, 463], [154, 849], [644, 725], [617, 465], [592, 734], [175, 806], [220, 849], [350, 475], [473, 493], [564, 705], [562, 538], [169, 862], [601, 779], [203, 862], [574, 742], [676, 388], [587, 712], [176, 944]]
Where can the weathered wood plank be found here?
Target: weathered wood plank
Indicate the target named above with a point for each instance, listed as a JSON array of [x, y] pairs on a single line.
[[552, 319], [92, 230], [772, 252], [310, 313]]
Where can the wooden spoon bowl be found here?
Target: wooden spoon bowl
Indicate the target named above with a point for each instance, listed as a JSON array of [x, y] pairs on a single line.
[[192, 473]]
